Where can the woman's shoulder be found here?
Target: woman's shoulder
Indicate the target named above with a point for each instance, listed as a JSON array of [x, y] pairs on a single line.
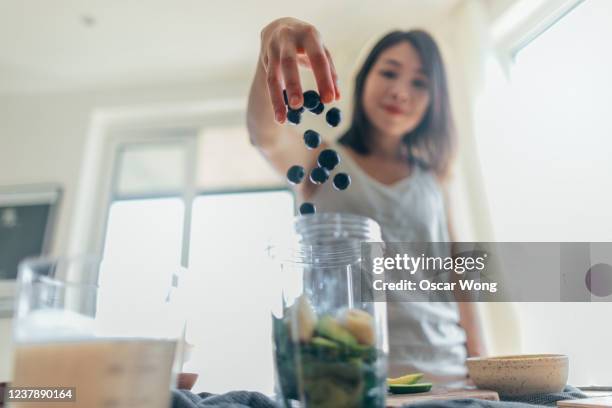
[[419, 171], [433, 180]]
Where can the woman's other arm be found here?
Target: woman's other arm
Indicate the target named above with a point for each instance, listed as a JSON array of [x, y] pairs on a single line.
[[470, 320], [469, 315]]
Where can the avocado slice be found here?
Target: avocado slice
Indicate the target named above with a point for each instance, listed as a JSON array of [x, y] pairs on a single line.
[[405, 379], [329, 327]]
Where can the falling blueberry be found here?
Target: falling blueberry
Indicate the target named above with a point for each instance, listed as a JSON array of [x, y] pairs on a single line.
[[294, 116], [318, 110], [295, 174], [312, 139], [319, 175], [311, 99], [341, 181], [307, 208], [328, 159], [333, 117]]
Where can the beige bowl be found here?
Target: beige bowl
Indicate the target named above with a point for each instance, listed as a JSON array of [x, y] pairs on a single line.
[[521, 374]]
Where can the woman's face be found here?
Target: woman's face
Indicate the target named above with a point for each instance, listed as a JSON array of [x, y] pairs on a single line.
[[396, 92]]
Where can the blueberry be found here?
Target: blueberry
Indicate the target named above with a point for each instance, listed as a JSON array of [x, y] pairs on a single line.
[[294, 116], [295, 174], [312, 139], [319, 175], [318, 110], [311, 99], [341, 181], [307, 208], [328, 159], [333, 117]]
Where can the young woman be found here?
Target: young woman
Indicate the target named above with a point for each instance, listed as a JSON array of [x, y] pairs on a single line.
[[398, 151]]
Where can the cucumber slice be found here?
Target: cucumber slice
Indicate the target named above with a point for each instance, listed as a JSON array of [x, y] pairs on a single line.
[[409, 388], [323, 342]]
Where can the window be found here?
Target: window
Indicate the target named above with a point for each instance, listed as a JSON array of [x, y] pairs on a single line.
[[545, 147], [546, 156], [235, 288], [187, 200]]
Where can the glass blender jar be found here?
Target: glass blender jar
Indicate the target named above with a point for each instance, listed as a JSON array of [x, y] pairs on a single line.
[[330, 347]]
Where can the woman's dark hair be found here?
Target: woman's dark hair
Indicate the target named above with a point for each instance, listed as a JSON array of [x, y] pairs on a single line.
[[432, 143]]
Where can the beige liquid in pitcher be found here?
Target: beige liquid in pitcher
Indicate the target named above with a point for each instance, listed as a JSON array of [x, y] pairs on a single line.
[[106, 373]]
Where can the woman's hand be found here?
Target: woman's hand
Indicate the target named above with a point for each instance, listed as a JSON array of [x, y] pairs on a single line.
[[287, 43]]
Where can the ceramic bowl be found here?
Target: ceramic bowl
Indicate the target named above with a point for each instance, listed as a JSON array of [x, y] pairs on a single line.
[[520, 374]]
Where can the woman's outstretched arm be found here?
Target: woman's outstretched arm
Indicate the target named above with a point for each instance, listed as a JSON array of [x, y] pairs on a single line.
[[286, 43]]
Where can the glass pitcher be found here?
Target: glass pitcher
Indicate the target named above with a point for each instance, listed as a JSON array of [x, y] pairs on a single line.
[[330, 347]]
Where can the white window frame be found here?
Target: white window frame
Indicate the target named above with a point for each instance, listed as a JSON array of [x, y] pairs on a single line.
[[109, 128], [118, 142], [522, 23]]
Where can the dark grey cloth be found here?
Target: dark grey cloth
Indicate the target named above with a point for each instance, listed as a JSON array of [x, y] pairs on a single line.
[[233, 399], [468, 403], [568, 392], [244, 399], [529, 401]]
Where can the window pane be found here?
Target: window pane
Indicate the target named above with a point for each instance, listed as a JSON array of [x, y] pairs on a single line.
[[547, 164], [142, 250], [226, 159], [232, 319], [579, 330], [151, 169], [148, 229]]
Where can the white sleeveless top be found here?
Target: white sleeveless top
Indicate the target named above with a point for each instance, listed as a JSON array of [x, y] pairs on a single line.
[[423, 337]]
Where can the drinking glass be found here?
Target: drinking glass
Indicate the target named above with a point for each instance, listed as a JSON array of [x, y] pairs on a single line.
[[105, 346]]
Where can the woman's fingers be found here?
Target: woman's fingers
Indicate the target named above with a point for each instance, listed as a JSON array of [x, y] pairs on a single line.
[[286, 44], [333, 73], [303, 61], [320, 65], [291, 75], [275, 89]]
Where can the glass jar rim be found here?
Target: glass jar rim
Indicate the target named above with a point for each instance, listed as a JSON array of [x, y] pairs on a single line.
[[30, 268], [326, 239]]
